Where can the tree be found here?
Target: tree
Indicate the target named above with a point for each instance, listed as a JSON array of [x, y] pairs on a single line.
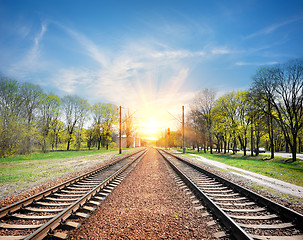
[[97, 124], [128, 128], [201, 110], [75, 110], [56, 131], [243, 117], [11, 102], [110, 117], [104, 115], [49, 111], [263, 90], [227, 107], [282, 86], [31, 95]]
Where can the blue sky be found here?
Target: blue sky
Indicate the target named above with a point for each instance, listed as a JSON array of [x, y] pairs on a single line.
[[146, 55]]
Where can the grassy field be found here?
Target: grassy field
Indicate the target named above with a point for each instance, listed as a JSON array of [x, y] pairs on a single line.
[[53, 155], [276, 168], [26, 171]]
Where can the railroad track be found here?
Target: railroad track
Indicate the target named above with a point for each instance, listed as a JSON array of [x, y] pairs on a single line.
[[243, 213], [49, 214]]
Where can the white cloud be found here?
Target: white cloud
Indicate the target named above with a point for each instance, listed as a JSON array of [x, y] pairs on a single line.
[[273, 28], [220, 51], [177, 54], [91, 48], [68, 80], [145, 72], [32, 61], [255, 63]]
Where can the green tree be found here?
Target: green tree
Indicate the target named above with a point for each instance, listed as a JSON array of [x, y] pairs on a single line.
[[110, 117], [75, 110], [104, 116], [11, 128], [49, 113]]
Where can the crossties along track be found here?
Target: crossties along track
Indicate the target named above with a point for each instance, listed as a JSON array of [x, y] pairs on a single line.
[[51, 213], [243, 213]]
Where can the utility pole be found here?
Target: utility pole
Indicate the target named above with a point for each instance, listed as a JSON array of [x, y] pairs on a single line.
[[183, 138], [120, 134], [183, 146]]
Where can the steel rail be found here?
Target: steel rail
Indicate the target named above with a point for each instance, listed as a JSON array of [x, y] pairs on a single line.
[[233, 228], [29, 200], [61, 218], [284, 212]]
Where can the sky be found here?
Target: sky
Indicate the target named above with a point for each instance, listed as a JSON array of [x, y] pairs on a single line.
[[149, 56]]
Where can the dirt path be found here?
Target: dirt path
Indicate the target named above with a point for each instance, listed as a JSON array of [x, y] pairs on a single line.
[[146, 205]]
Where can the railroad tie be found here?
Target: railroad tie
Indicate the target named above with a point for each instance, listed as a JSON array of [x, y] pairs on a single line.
[[94, 202], [60, 235], [72, 224], [67, 195], [267, 226], [17, 226], [266, 217], [99, 198], [83, 215], [32, 217], [12, 237], [43, 209], [60, 199], [244, 210], [53, 204], [219, 234], [87, 208], [295, 237], [236, 204]]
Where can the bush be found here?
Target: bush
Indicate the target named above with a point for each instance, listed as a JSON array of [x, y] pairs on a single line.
[[112, 145]]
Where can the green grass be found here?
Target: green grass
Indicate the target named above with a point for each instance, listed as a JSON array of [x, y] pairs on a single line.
[[19, 171], [53, 155], [276, 168]]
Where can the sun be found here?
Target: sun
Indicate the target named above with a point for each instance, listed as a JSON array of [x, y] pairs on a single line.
[[152, 121], [150, 128]]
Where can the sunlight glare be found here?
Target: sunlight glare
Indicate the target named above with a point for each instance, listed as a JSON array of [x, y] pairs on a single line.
[[151, 123]]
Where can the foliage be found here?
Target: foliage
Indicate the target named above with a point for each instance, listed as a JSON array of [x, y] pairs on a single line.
[[32, 120], [269, 114], [281, 87]]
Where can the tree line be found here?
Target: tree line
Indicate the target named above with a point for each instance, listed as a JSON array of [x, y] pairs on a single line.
[[269, 114], [32, 120]]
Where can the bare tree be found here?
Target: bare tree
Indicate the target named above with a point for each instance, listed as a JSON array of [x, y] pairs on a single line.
[[202, 107], [128, 128], [282, 87]]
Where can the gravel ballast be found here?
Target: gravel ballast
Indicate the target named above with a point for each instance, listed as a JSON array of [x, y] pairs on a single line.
[[146, 205]]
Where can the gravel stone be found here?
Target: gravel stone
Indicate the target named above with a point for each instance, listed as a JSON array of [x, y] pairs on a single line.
[[146, 205]]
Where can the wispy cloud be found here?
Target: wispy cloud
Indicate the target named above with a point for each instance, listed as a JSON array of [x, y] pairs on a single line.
[[141, 72], [272, 28], [255, 63], [220, 51], [177, 54], [91, 48], [31, 62], [72, 78]]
